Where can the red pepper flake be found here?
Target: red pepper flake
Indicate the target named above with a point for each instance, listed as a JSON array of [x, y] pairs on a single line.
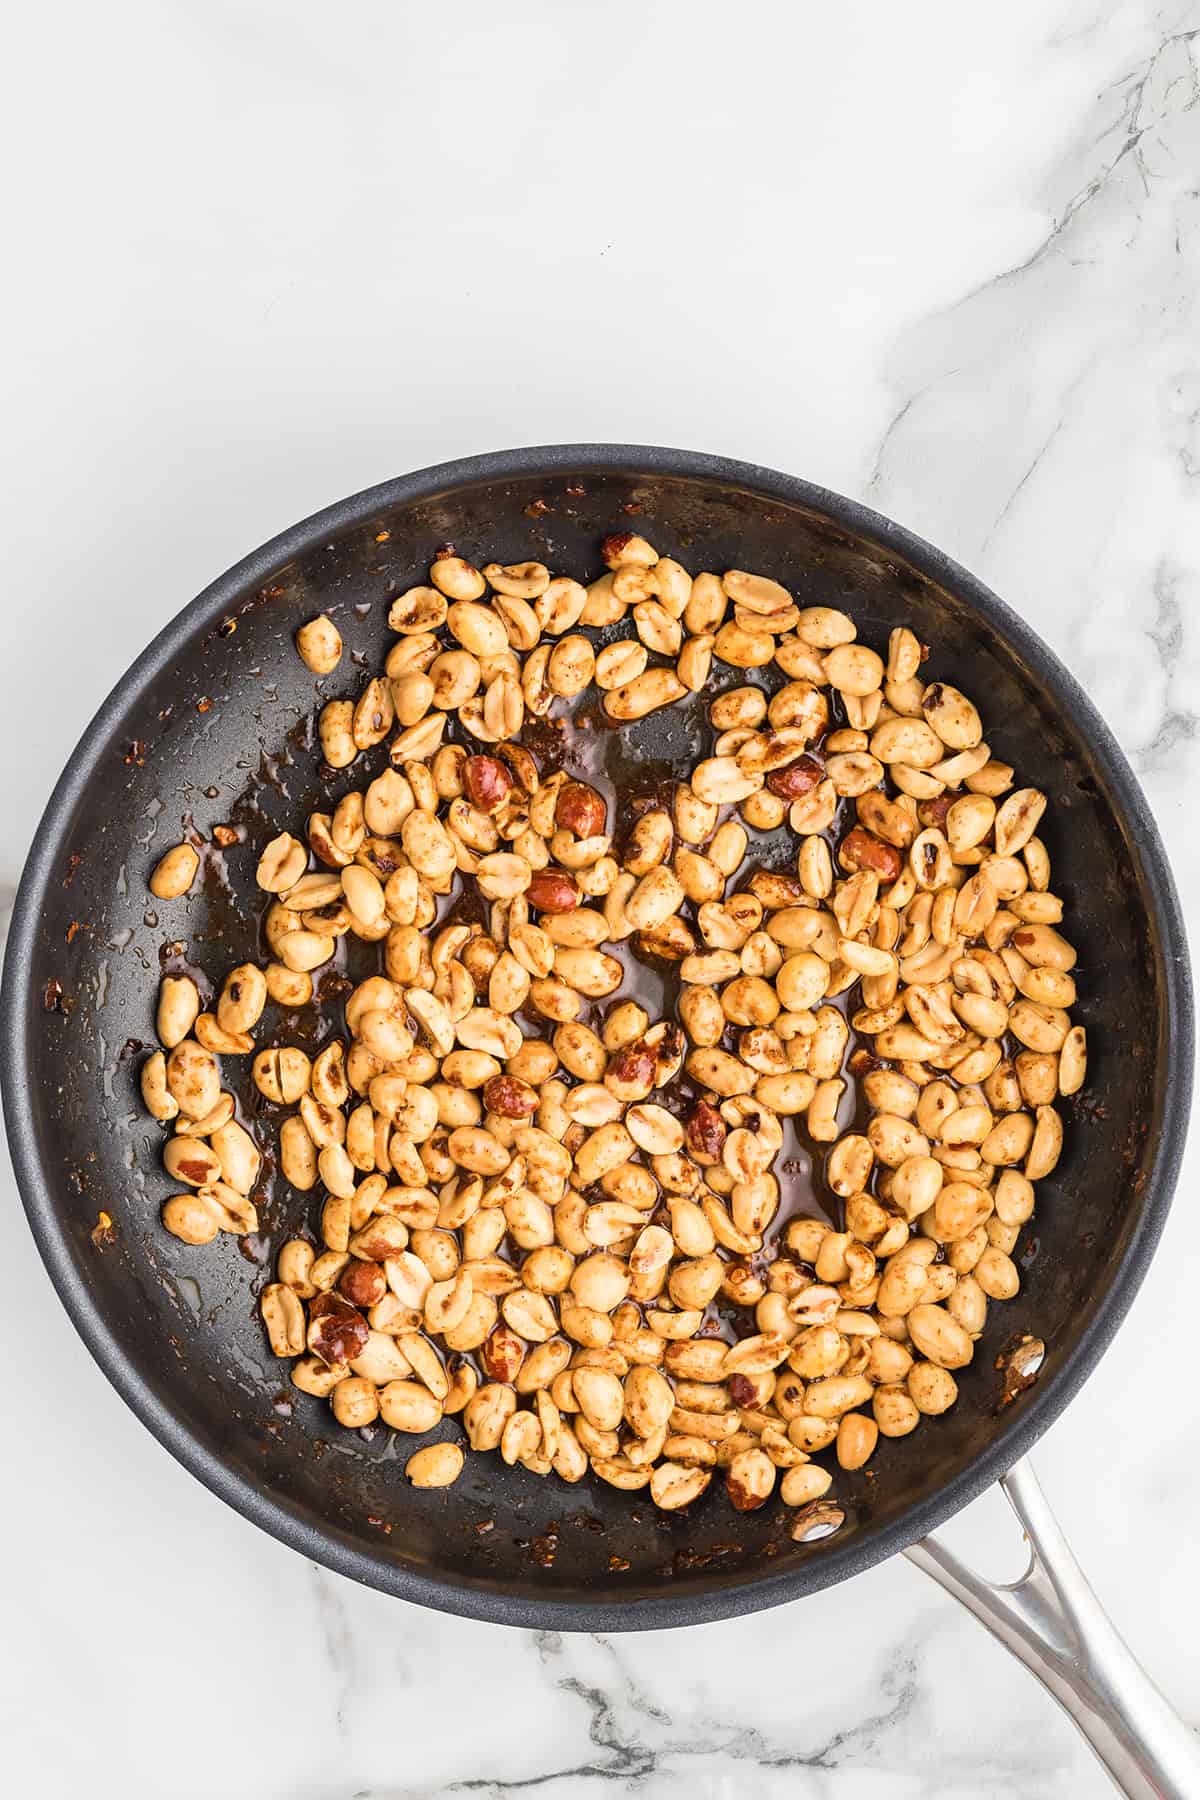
[[576, 489], [631, 506], [136, 753], [204, 705], [103, 1233], [52, 996], [227, 627], [618, 1564], [379, 1524], [73, 930], [536, 509], [381, 537], [484, 1526]]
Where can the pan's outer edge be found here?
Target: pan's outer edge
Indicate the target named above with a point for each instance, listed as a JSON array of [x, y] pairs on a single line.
[[1039, 1407]]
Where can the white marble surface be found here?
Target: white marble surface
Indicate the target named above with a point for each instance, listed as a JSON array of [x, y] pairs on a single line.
[[262, 254]]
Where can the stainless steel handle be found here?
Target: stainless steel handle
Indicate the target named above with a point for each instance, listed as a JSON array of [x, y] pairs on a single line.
[[1054, 1623]]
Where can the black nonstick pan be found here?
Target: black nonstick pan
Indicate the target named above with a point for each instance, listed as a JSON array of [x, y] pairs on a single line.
[[212, 726]]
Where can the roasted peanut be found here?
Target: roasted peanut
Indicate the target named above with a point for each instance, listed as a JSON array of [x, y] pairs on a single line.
[[320, 645], [174, 872]]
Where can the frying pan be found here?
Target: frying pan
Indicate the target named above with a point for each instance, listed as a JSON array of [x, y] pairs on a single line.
[[212, 725]]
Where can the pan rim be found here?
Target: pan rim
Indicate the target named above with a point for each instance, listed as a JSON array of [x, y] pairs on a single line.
[[727, 1597]]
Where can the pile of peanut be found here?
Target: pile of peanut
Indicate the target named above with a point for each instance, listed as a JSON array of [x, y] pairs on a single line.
[[539, 1208]]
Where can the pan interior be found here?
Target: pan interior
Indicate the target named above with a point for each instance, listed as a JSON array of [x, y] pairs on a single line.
[[222, 733]]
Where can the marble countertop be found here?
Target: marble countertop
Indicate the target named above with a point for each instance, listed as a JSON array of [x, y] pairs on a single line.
[[942, 258]]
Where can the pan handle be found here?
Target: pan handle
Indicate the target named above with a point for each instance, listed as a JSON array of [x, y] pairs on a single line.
[[1054, 1623]]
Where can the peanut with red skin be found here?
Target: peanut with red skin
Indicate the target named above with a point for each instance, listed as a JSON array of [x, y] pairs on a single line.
[[579, 808], [487, 782], [337, 1331], [363, 1283], [861, 849], [741, 1497], [631, 1071], [614, 546], [552, 891], [502, 1354], [796, 779], [705, 1131], [509, 1098], [933, 812]]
